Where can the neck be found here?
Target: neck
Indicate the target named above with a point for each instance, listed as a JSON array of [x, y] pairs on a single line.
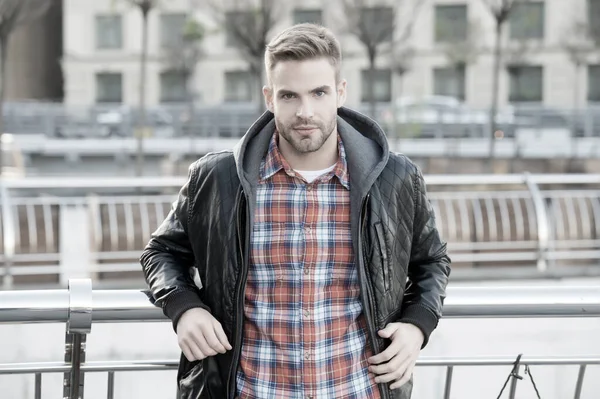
[[323, 158]]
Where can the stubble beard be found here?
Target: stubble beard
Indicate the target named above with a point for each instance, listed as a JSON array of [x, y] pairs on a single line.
[[309, 143]]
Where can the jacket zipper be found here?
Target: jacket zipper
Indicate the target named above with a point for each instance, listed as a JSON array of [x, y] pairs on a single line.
[[384, 258], [363, 285], [363, 269], [240, 292]]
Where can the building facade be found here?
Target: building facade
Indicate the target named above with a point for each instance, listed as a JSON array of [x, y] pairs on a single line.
[[448, 52], [33, 63]]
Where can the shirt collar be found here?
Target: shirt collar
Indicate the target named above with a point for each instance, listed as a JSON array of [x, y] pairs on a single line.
[[273, 162]]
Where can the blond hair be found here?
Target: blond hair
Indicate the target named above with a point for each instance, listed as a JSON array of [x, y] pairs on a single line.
[[304, 42]]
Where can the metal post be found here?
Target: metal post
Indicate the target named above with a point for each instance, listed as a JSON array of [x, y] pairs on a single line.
[[38, 385], [8, 235], [579, 385], [79, 324], [111, 385], [449, 372], [542, 222], [513, 384]]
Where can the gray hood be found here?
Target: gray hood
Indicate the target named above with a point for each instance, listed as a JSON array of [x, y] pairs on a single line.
[[367, 154], [365, 143]]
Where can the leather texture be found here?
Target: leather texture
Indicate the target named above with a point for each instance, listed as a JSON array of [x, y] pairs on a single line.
[[404, 261]]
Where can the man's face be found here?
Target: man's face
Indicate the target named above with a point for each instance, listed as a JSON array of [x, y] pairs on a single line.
[[304, 97]]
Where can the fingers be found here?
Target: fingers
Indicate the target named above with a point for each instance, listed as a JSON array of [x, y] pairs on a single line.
[[405, 378], [186, 351], [192, 353], [200, 335], [212, 342], [203, 344], [392, 370], [197, 351], [222, 337], [385, 356]]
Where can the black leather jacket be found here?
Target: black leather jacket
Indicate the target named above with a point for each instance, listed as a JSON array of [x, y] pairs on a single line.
[[402, 262]]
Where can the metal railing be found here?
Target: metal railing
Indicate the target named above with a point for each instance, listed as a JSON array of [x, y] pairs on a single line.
[[79, 305], [232, 120], [505, 226]]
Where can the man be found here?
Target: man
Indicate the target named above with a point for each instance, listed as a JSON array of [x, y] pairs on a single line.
[[322, 273]]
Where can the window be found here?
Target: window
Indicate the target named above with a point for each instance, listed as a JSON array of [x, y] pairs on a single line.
[[594, 18], [594, 83], [237, 21], [527, 21], [109, 32], [312, 16], [381, 81], [378, 23], [171, 29], [449, 82], [109, 88], [451, 23], [526, 83], [238, 86], [173, 87]]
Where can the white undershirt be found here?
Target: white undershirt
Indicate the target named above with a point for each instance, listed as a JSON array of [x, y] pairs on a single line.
[[311, 175]]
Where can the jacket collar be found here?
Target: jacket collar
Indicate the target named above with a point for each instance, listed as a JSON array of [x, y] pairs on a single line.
[[274, 162], [364, 141]]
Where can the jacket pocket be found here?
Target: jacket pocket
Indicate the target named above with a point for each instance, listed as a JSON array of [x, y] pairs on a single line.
[[385, 264], [404, 392], [191, 385]]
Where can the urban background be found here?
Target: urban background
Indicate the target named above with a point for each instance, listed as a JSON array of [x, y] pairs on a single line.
[[105, 103]]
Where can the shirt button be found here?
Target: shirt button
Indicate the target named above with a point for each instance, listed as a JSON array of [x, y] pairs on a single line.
[[306, 313], [307, 355], [306, 270], [309, 187], [307, 230]]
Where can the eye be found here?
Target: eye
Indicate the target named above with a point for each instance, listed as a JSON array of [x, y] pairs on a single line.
[[288, 96], [320, 93]]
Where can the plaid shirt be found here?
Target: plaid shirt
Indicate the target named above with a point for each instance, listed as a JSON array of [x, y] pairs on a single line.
[[304, 329]]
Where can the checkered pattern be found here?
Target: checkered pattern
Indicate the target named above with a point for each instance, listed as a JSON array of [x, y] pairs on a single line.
[[304, 330]]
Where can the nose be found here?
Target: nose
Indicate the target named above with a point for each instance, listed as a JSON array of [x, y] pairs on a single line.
[[305, 110]]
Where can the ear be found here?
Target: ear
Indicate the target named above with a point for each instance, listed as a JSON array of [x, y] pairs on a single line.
[[341, 93], [268, 94]]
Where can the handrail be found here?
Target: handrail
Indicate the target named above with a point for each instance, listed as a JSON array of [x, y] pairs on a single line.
[[487, 206], [163, 364], [542, 223], [80, 306], [177, 181], [110, 306], [8, 233]]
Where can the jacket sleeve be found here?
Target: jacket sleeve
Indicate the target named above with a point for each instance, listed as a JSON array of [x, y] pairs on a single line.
[[168, 259], [429, 266]]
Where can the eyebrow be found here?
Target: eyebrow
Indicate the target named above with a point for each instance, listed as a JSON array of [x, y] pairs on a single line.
[[325, 88]]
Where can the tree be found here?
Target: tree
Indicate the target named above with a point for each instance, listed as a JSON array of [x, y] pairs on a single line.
[[461, 46], [248, 25], [376, 26], [401, 62], [579, 41], [144, 6], [501, 11], [14, 13], [183, 57], [461, 52]]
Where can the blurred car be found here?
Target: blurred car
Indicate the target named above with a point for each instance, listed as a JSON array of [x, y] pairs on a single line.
[[444, 110], [124, 120], [121, 121]]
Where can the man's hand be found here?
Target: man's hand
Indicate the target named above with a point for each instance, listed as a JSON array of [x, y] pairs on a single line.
[[396, 363], [200, 335]]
